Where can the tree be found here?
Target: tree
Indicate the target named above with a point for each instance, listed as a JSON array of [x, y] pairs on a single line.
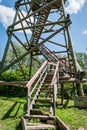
[[82, 60], [23, 66]]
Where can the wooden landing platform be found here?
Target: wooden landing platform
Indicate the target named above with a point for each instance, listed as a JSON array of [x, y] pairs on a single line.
[[13, 83], [23, 83], [72, 80]]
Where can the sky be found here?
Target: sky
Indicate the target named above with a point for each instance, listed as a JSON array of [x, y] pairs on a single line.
[[78, 13]]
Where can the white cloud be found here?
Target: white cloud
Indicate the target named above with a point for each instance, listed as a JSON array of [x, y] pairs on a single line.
[[0, 0], [74, 6], [84, 32], [6, 15]]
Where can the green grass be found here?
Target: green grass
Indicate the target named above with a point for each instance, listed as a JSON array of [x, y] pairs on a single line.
[[75, 118], [12, 109]]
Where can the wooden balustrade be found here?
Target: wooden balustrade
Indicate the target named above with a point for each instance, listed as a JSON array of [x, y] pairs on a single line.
[[36, 75], [54, 84], [30, 91]]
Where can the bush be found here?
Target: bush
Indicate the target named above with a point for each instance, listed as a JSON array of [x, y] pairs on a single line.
[[12, 91], [11, 76]]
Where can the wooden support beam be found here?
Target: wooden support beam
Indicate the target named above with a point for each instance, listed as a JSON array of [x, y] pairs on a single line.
[[14, 83], [62, 93]]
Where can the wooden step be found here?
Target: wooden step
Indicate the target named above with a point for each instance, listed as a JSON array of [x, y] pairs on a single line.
[[41, 104], [47, 82], [40, 112], [47, 89], [45, 93], [44, 99], [48, 79], [41, 127], [48, 95], [65, 77], [39, 116]]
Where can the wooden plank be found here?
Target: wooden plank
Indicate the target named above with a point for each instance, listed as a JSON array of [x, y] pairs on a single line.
[[38, 116], [55, 73], [23, 83], [24, 124], [13, 83], [39, 112], [61, 125], [41, 126], [73, 80], [65, 77], [43, 104]]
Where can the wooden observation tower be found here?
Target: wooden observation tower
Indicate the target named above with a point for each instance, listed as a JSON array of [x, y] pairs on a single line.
[[42, 27]]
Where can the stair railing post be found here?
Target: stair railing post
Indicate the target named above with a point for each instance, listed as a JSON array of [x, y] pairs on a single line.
[[54, 95], [28, 100]]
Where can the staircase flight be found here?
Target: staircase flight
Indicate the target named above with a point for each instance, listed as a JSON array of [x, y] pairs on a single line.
[[41, 99]]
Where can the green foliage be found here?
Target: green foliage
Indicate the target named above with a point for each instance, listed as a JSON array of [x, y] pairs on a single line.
[[82, 60], [12, 75], [85, 88], [12, 91]]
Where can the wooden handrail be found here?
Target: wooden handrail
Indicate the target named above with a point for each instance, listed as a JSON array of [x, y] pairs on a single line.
[[36, 75], [51, 52], [56, 70]]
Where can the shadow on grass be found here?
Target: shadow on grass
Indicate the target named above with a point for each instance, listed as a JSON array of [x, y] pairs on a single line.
[[13, 99], [7, 115], [19, 126], [13, 111], [65, 104]]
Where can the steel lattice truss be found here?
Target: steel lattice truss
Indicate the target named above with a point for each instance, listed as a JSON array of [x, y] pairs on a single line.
[[39, 24]]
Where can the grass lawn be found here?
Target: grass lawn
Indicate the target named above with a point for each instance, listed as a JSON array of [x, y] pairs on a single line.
[[75, 118], [12, 109]]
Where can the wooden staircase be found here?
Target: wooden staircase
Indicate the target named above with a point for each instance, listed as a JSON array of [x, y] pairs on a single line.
[[40, 113], [42, 18], [51, 57], [41, 99]]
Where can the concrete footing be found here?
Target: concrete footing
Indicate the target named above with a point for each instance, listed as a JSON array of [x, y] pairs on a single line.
[[80, 101]]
